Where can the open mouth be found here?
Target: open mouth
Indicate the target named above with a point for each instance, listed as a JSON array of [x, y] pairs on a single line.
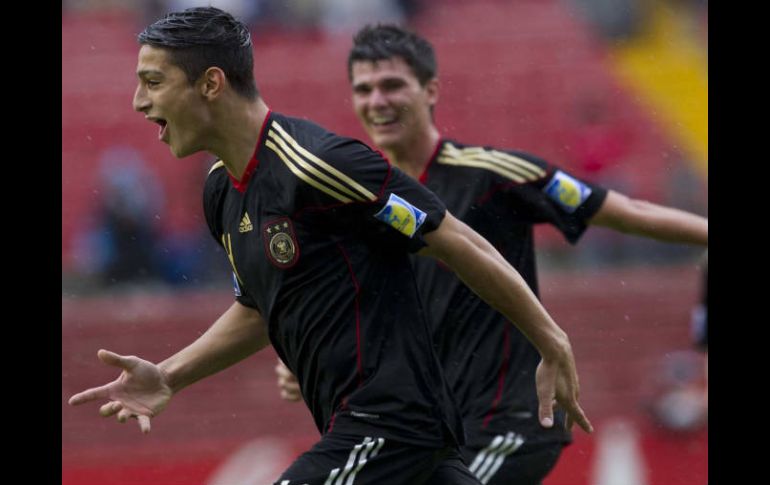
[[383, 121], [162, 123]]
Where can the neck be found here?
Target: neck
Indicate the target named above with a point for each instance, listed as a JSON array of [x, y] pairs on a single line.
[[413, 156], [240, 123]]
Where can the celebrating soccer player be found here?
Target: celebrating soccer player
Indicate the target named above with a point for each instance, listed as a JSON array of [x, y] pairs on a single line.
[[318, 229]]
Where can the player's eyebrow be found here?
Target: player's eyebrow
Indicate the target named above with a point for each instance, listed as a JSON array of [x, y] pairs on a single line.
[[146, 72]]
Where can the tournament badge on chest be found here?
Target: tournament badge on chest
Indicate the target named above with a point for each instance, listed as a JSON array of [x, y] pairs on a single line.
[[280, 243]]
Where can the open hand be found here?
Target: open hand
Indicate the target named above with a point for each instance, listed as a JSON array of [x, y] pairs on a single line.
[[140, 392], [557, 384]]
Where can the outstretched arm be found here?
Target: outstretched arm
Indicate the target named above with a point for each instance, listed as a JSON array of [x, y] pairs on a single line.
[[642, 218], [144, 389], [483, 269]]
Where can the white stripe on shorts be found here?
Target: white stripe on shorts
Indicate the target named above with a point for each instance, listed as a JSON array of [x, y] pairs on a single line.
[[363, 451], [490, 459]]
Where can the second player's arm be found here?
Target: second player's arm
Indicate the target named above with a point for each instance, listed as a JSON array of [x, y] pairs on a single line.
[[642, 218], [483, 269]]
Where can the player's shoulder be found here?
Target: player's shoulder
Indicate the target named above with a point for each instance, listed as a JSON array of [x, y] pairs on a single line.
[[215, 188], [217, 177], [342, 167], [515, 165], [217, 168], [307, 139], [214, 195]]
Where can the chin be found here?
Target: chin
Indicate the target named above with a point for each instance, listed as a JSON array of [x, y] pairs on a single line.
[[176, 152], [386, 142], [182, 152]]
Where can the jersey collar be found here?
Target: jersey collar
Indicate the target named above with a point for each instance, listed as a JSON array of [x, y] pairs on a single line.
[[241, 185], [424, 176]]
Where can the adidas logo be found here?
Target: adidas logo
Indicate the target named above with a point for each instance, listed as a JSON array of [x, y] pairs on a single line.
[[245, 225]]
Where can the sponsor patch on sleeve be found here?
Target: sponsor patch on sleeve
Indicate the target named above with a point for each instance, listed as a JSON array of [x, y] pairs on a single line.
[[567, 191], [401, 215], [236, 286]]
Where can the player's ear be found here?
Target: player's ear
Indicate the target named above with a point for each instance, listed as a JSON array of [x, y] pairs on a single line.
[[212, 82], [432, 89]]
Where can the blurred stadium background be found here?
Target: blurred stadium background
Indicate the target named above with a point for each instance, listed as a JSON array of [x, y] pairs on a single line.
[[616, 91]]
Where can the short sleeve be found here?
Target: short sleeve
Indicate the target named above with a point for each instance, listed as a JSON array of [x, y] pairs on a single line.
[[409, 208], [378, 199], [557, 197]]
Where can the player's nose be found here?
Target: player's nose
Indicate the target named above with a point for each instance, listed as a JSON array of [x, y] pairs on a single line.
[[141, 102]]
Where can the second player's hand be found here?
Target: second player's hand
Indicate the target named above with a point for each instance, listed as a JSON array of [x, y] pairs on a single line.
[[557, 384], [287, 383], [140, 392]]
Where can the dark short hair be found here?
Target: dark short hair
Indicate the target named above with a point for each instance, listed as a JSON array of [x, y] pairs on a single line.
[[385, 41], [202, 37]]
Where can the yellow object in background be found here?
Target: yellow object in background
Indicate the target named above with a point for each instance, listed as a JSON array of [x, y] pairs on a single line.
[[667, 66]]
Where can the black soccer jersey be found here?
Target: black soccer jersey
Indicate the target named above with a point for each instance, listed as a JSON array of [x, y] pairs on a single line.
[[500, 194], [318, 232]]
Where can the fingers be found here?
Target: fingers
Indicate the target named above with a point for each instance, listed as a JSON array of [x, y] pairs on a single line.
[[110, 408], [123, 415], [288, 395], [287, 383], [101, 392], [115, 360], [283, 371], [545, 413], [545, 407], [546, 396], [576, 415], [144, 423]]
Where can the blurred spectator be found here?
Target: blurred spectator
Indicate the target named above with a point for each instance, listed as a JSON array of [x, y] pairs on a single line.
[[699, 322], [614, 19], [347, 16], [291, 14], [121, 245], [332, 16], [598, 144], [678, 404], [245, 10], [98, 5], [599, 141], [124, 243]]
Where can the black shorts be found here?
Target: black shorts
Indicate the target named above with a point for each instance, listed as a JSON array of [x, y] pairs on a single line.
[[509, 459], [358, 460]]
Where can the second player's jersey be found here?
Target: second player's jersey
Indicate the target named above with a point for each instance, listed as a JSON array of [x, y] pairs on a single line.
[[318, 232], [501, 195]]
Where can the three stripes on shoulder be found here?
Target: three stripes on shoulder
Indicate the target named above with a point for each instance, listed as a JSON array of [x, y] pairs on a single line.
[[501, 163], [313, 170]]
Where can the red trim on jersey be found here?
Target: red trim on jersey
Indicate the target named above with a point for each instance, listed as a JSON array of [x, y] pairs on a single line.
[[387, 175], [358, 316], [342, 406], [501, 375], [495, 188], [241, 185], [423, 178]]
